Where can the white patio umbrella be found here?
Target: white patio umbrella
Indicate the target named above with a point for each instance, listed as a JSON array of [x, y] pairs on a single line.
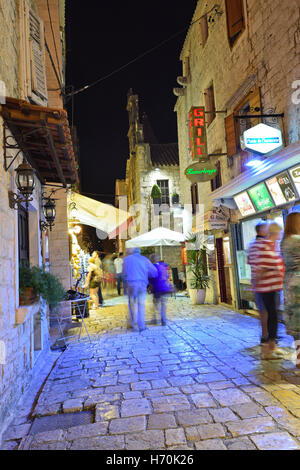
[[157, 237]]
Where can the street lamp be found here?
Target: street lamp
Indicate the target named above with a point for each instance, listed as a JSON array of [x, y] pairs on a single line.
[[49, 211], [25, 183]]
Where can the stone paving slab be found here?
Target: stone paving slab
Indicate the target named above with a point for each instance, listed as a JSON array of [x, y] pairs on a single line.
[[197, 383]]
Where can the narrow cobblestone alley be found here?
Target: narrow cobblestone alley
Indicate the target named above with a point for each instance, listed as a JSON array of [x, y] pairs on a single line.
[[196, 384]]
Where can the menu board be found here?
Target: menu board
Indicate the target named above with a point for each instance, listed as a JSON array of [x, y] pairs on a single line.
[[244, 204], [286, 186], [276, 191], [295, 174], [260, 197]]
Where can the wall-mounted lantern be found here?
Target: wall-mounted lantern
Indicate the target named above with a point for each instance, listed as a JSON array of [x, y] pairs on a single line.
[[25, 183], [49, 211]]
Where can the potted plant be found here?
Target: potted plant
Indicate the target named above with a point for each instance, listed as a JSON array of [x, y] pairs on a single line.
[[200, 281], [28, 285], [35, 281], [175, 198], [156, 196]]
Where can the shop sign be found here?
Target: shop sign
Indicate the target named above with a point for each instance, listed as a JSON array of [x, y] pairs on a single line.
[[261, 197], [184, 259], [244, 204], [262, 139], [295, 174], [200, 172], [275, 191], [218, 220], [197, 130]]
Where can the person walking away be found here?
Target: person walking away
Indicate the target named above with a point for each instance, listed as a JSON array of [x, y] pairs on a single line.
[[93, 281], [137, 269], [98, 263], [118, 262], [261, 233], [290, 247], [161, 287], [269, 282]]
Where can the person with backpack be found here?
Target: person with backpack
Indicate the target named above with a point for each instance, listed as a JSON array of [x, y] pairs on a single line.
[[93, 281], [160, 287]]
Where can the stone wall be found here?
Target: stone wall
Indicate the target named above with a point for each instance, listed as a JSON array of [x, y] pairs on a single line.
[[59, 248], [23, 330], [268, 47]]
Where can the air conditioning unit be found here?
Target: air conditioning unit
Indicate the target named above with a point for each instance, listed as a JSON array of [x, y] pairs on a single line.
[[183, 81], [178, 91]]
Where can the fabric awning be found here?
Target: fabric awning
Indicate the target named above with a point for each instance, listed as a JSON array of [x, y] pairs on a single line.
[[286, 158], [157, 237], [43, 134], [96, 214]]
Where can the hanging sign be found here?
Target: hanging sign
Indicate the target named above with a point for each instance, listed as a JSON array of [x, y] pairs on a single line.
[[262, 139], [197, 130], [218, 220], [200, 172]]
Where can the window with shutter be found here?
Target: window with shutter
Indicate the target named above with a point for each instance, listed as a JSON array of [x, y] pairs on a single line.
[[210, 104], [231, 135], [37, 56], [217, 181], [235, 19], [204, 29], [234, 128]]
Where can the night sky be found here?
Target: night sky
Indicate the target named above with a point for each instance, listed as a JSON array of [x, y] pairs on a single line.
[[102, 36]]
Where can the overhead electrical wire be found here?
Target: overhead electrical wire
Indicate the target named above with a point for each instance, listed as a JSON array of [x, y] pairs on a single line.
[[54, 41], [140, 56]]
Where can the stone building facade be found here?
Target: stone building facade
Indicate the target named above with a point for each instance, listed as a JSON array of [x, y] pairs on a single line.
[[239, 57], [27, 85], [151, 163]]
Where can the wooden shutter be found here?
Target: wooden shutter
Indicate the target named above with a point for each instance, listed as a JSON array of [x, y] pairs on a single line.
[[231, 137], [194, 197], [204, 29], [235, 17], [37, 56], [210, 104]]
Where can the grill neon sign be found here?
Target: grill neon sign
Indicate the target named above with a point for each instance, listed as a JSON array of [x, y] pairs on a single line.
[[197, 130]]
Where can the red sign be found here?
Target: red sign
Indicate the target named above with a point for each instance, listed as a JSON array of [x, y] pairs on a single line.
[[184, 260], [197, 130]]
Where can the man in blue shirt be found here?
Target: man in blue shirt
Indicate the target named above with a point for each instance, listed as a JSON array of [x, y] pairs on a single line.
[[137, 269]]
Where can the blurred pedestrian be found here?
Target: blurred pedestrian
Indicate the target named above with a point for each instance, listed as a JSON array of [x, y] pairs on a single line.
[[98, 263], [161, 287], [93, 281], [291, 253], [254, 246], [118, 262], [109, 271], [137, 269], [269, 281]]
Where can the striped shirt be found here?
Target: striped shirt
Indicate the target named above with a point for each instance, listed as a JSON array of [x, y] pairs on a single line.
[[269, 269], [252, 255]]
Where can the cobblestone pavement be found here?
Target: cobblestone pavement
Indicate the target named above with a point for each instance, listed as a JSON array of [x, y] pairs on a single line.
[[197, 383]]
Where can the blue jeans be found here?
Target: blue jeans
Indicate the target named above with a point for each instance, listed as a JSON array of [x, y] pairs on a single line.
[[160, 305], [119, 280], [137, 292]]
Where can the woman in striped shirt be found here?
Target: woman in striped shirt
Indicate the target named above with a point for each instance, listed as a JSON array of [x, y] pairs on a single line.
[[269, 282]]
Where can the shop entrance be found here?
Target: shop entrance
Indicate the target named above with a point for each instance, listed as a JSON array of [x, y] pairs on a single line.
[[224, 274]]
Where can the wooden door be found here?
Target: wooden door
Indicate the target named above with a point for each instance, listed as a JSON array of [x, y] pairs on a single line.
[[221, 269]]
